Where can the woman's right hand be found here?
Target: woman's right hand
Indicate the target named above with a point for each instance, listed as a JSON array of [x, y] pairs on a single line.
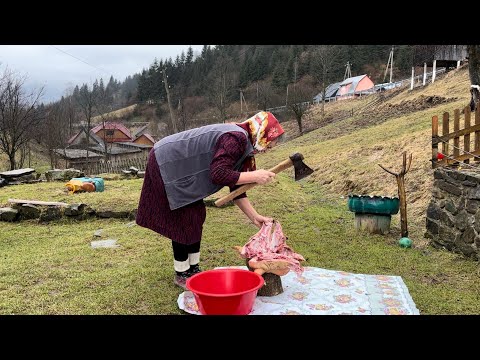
[[263, 176]]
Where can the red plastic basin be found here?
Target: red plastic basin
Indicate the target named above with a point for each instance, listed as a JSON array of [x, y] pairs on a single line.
[[225, 291]]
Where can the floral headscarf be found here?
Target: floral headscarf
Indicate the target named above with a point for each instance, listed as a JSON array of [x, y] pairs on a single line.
[[263, 128]]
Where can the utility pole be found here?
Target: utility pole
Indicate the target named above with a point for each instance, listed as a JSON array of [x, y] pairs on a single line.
[[242, 97], [172, 116], [286, 100], [244, 101], [295, 75], [348, 71], [391, 67], [241, 108], [389, 63]]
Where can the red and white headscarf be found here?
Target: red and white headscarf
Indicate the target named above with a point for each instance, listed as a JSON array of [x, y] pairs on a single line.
[[263, 128]]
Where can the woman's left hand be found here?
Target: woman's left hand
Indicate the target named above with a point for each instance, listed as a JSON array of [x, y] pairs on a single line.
[[258, 220]]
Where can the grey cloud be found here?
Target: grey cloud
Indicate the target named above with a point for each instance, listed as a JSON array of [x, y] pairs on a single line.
[[48, 66]]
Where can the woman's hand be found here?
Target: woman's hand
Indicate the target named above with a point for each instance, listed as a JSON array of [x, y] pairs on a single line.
[[263, 176], [258, 220]]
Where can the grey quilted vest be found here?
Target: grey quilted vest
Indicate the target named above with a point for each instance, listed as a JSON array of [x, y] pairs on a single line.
[[184, 161]]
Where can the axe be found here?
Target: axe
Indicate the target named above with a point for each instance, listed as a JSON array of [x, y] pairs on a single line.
[[301, 171]]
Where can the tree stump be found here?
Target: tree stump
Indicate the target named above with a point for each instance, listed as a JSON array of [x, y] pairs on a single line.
[[273, 284]]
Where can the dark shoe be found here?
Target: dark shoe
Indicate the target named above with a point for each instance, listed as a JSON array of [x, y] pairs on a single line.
[[194, 269], [181, 279]]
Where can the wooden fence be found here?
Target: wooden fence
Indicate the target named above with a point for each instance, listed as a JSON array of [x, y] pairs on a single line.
[[456, 147], [116, 167]]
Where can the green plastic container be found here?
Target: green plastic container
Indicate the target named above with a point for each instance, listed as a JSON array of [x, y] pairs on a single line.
[[365, 204]]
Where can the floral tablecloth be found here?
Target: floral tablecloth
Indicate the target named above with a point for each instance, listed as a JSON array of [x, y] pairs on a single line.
[[328, 292]]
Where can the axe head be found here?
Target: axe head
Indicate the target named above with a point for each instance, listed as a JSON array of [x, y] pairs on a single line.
[[301, 169]]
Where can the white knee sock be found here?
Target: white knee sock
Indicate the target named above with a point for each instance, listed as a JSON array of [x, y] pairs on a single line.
[[181, 266], [194, 258]]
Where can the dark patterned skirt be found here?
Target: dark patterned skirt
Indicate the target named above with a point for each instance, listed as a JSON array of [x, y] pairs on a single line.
[[183, 225]]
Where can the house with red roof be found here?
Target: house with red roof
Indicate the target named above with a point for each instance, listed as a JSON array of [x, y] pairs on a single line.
[[145, 139], [112, 132]]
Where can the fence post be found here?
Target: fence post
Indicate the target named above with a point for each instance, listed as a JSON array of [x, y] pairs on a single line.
[[466, 138], [477, 133], [456, 127], [434, 144], [445, 131], [424, 73], [413, 78]]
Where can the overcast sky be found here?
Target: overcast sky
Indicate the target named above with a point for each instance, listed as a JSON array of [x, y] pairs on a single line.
[[58, 67]]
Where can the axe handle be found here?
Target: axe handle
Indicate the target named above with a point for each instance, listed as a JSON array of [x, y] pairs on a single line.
[[276, 169]]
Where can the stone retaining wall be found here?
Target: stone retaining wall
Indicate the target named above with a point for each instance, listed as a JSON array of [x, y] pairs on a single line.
[[20, 212], [453, 215]]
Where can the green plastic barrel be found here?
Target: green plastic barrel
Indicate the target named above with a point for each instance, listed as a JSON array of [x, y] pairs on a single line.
[[365, 204]]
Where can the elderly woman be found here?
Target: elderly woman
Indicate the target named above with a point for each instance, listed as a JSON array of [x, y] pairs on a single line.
[[186, 167]]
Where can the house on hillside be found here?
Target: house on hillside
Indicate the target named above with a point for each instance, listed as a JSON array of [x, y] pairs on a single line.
[[112, 132], [355, 86], [141, 136], [145, 139], [138, 130], [113, 151], [77, 158], [330, 93], [79, 140], [448, 56]]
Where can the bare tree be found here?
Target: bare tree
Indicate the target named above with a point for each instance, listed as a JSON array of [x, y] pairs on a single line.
[[221, 86], [53, 131], [169, 101], [322, 63], [265, 94], [69, 110], [190, 108], [103, 105], [182, 115], [474, 72], [19, 115], [299, 103], [86, 102]]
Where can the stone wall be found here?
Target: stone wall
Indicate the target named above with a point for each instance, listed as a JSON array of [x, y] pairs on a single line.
[[453, 215], [19, 212]]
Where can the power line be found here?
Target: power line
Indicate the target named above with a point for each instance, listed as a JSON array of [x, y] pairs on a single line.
[[96, 67]]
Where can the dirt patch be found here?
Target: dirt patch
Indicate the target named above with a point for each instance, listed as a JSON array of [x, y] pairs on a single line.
[[421, 102], [369, 111]]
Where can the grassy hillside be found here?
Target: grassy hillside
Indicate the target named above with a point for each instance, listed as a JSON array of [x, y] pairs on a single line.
[[51, 269], [346, 153], [113, 115]]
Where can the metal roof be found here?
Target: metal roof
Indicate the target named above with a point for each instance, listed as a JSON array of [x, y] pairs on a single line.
[[148, 136], [330, 91], [354, 81], [115, 150], [93, 136], [76, 153], [112, 126], [133, 145]]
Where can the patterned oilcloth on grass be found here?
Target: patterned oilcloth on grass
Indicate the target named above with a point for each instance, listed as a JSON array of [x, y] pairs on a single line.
[[329, 292]]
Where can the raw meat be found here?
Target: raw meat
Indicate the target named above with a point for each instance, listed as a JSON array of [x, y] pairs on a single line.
[[270, 244]]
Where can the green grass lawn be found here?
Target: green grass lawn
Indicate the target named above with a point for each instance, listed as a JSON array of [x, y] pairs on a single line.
[[51, 269]]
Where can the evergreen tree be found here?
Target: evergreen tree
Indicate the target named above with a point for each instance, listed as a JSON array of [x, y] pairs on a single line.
[[189, 58]]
